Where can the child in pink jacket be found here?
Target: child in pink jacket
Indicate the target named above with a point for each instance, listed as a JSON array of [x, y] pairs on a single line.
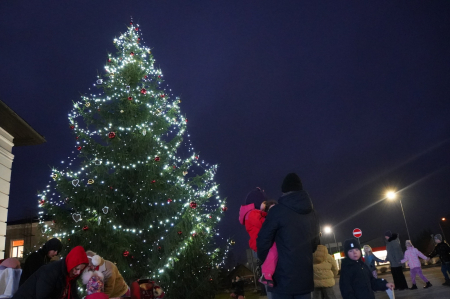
[[412, 257], [252, 214]]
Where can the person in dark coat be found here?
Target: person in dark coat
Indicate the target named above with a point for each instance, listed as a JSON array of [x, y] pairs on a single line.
[[442, 249], [394, 256], [238, 285], [40, 258], [293, 225], [356, 280], [57, 280]]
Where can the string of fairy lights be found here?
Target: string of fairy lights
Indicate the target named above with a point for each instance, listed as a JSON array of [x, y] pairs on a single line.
[[165, 140]]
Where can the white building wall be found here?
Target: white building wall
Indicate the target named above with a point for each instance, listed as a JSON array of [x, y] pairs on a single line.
[[6, 159]]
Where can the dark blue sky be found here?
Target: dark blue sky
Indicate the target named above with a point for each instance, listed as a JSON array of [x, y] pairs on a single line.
[[352, 96]]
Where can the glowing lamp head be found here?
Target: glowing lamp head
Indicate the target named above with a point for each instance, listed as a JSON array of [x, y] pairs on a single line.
[[391, 195], [443, 219], [327, 229]]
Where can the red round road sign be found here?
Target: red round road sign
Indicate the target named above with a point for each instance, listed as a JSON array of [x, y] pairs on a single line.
[[357, 233]]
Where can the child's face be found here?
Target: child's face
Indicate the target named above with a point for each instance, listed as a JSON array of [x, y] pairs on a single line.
[[354, 254]]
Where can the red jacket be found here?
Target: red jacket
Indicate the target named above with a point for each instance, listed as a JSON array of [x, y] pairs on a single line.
[[253, 220]]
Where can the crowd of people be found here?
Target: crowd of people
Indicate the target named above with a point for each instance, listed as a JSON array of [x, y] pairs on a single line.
[[285, 237], [43, 278]]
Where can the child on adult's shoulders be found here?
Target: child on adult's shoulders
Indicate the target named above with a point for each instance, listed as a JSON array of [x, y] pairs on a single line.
[[356, 279]]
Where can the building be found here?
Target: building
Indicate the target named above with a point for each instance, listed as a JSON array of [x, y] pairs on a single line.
[[22, 235], [14, 131]]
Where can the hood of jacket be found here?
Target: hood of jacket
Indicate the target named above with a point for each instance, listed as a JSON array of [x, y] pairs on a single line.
[[394, 237], [76, 257], [52, 244], [244, 210], [320, 255], [298, 201]]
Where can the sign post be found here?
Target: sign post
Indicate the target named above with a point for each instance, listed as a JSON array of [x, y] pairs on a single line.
[[357, 233]]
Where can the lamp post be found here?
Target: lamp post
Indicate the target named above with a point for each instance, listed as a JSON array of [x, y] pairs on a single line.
[[443, 234], [327, 230], [393, 195]]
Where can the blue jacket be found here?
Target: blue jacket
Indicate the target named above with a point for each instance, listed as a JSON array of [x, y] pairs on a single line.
[[294, 226], [369, 260]]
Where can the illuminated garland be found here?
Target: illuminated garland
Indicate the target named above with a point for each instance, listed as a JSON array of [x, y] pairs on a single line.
[[129, 152]]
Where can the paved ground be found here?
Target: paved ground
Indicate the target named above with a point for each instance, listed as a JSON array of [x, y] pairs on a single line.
[[434, 275]]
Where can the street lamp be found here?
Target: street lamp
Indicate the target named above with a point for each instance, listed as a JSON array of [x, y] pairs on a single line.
[[327, 230], [393, 195], [443, 234]]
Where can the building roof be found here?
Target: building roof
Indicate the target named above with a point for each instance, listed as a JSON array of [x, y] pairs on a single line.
[[22, 132]]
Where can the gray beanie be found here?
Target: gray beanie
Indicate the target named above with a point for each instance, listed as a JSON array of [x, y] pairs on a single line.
[[438, 237]]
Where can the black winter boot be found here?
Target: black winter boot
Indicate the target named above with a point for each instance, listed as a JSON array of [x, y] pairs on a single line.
[[446, 283], [414, 287], [427, 285]]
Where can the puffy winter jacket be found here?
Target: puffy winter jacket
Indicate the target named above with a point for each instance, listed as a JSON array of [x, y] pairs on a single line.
[[412, 257], [443, 251], [324, 268], [253, 220], [293, 225], [394, 251], [356, 280]]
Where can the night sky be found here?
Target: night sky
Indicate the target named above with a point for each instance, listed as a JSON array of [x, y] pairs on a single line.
[[354, 97]]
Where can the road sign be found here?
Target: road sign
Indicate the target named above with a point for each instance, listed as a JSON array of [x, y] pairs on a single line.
[[357, 233]]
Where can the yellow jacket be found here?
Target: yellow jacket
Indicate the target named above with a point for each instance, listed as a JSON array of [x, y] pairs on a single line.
[[115, 285], [324, 268]]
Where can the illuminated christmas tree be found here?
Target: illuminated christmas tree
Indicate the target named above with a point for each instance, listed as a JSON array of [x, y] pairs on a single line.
[[135, 191]]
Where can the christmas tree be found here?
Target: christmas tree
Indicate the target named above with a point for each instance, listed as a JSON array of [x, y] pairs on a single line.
[[135, 190]]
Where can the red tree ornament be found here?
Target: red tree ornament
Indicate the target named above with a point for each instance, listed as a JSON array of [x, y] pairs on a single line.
[[224, 209], [85, 228], [126, 253], [79, 148], [130, 98], [194, 234], [186, 120], [174, 167], [72, 127], [157, 159], [145, 77], [180, 232], [210, 216], [42, 202], [169, 200], [136, 28], [109, 60], [132, 53], [193, 204], [111, 135], [163, 95], [154, 181], [77, 137], [143, 91]]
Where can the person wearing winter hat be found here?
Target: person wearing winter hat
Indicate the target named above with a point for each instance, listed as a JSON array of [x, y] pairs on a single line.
[[114, 284], [293, 225], [40, 258], [57, 280], [356, 280], [252, 215], [325, 269], [442, 249], [394, 256], [412, 257]]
